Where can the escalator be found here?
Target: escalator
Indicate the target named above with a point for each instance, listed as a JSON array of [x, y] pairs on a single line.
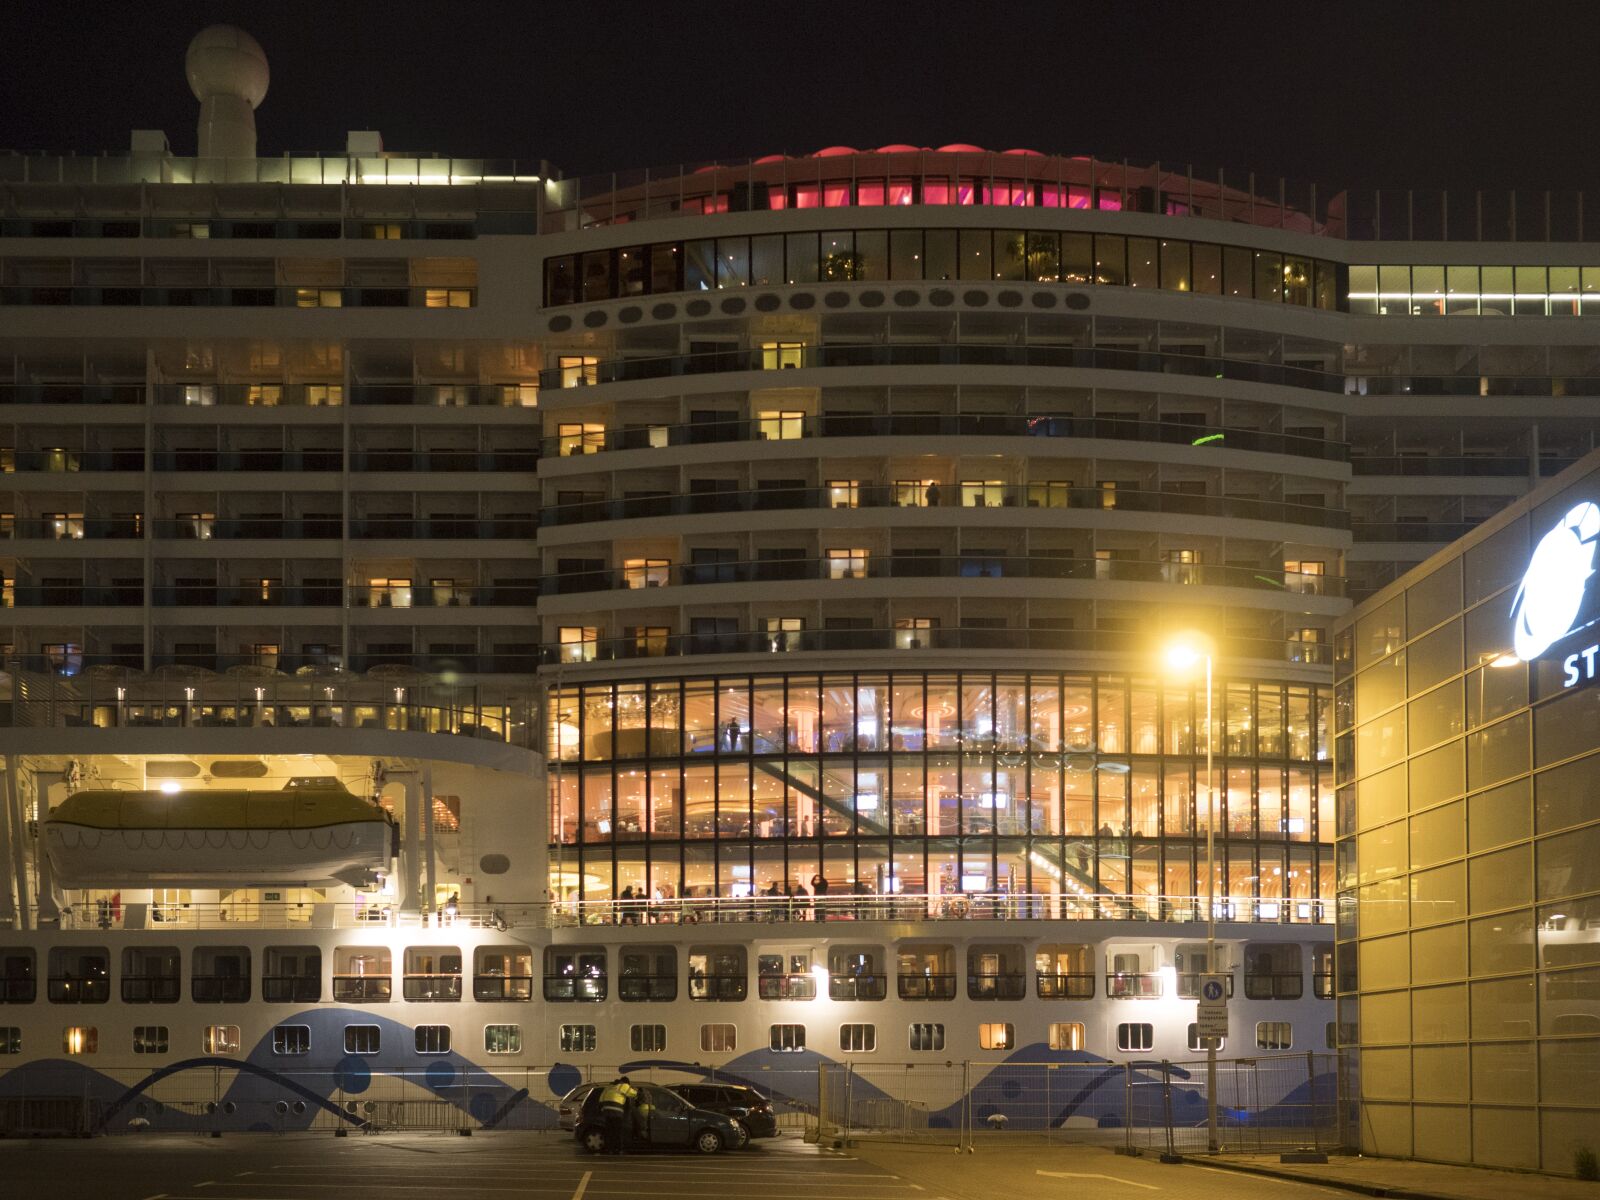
[[776, 768], [1050, 857]]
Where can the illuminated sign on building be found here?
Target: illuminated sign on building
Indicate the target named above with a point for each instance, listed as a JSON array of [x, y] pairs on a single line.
[[1552, 598]]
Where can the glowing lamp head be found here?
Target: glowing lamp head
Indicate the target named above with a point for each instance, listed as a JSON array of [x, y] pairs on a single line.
[[1183, 656], [170, 787]]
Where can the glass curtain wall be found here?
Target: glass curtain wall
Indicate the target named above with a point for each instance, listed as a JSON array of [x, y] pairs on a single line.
[[1051, 787]]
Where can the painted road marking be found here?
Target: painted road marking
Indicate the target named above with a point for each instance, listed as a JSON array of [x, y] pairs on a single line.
[[1149, 1187], [582, 1184]]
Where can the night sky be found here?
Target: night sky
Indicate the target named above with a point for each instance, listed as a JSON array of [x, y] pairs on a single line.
[[1391, 94]]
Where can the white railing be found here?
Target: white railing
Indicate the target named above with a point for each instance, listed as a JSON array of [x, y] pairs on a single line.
[[694, 910], [960, 906]]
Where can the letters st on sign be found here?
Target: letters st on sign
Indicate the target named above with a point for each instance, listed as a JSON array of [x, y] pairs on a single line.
[[1554, 615]]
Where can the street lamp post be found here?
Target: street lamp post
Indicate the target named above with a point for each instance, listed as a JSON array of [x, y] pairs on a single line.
[[1182, 655]]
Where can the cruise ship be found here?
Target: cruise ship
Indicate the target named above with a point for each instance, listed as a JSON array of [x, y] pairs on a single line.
[[468, 629]]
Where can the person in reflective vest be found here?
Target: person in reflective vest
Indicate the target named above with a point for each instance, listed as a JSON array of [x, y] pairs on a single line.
[[615, 1098]]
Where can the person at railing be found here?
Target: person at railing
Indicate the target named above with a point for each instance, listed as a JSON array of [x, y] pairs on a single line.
[[819, 897]]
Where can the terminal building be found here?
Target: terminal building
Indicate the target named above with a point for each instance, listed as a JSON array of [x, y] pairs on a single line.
[[737, 590], [1469, 841]]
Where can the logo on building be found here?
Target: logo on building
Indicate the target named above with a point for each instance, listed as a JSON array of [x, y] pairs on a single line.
[[1557, 580]]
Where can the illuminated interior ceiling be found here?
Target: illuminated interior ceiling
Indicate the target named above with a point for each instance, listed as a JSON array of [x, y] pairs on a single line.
[[269, 772]]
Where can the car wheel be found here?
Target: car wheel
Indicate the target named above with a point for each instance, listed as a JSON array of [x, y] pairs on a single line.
[[708, 1141], [594, 1141], [744, 1135]]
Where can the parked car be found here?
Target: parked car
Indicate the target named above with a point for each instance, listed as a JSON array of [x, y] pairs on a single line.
[[665, 1119], [572, 1104], [748, 1107]]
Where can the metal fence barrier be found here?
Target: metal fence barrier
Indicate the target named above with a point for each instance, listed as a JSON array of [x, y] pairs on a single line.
[[1268, 1102]]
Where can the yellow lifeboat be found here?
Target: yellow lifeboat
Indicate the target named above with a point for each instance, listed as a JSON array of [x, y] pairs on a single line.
[[312, 832]]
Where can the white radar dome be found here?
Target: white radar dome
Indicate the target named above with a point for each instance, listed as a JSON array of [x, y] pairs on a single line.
[[225, 61]]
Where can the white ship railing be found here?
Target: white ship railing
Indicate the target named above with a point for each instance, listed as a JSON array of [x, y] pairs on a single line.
[[117, 913], [956, 906]]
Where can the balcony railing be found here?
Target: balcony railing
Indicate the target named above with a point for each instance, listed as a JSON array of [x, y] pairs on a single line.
[[1322, 985], [1450, 465], [428, 987], [718, 987], [647, 988], [247, 460], [72, 529], [927, 987], [70, 461], [628, 370], [1274, 985], [285, 596], [572, 988], [802, 986], [997, 986], [291, 989], [1122, 985], [267, 296], [1419, 530], [220, 989], [936, 425], [502, 987], [853, 640], [858, 987], [66, 989], [932, 566], [526, 461], [18, 991], [151, 989], [363, 989], [72, 595], [72, 393], [513, 525], [1037, 495], [1075, 985]]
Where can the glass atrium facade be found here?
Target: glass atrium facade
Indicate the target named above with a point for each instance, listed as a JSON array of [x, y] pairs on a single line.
[[1050, 786], [1469, 851]]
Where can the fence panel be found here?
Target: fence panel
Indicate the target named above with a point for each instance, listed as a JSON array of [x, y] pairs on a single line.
[[1285, 1101]]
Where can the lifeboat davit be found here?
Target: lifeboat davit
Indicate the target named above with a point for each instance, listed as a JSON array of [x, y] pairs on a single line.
[[302, 836]]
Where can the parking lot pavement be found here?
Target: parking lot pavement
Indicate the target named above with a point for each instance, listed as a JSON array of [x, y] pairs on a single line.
[[1033, 1170], [401, 1166]]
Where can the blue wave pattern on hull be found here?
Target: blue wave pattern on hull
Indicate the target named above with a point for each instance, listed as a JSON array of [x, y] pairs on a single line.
[[1033, 1088], [261, 1079]]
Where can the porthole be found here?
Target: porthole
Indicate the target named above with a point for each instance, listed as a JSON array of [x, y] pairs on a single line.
[[733, 306], [664, 312], [698, 308], [802, 300], [559, 324], [941, 297], [1076, 300], [906, 298], [872, 298], [973, 298], [1010, 299], [630, 315], [594, 320], [766, 303], [836, 299], [1044, 300]]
